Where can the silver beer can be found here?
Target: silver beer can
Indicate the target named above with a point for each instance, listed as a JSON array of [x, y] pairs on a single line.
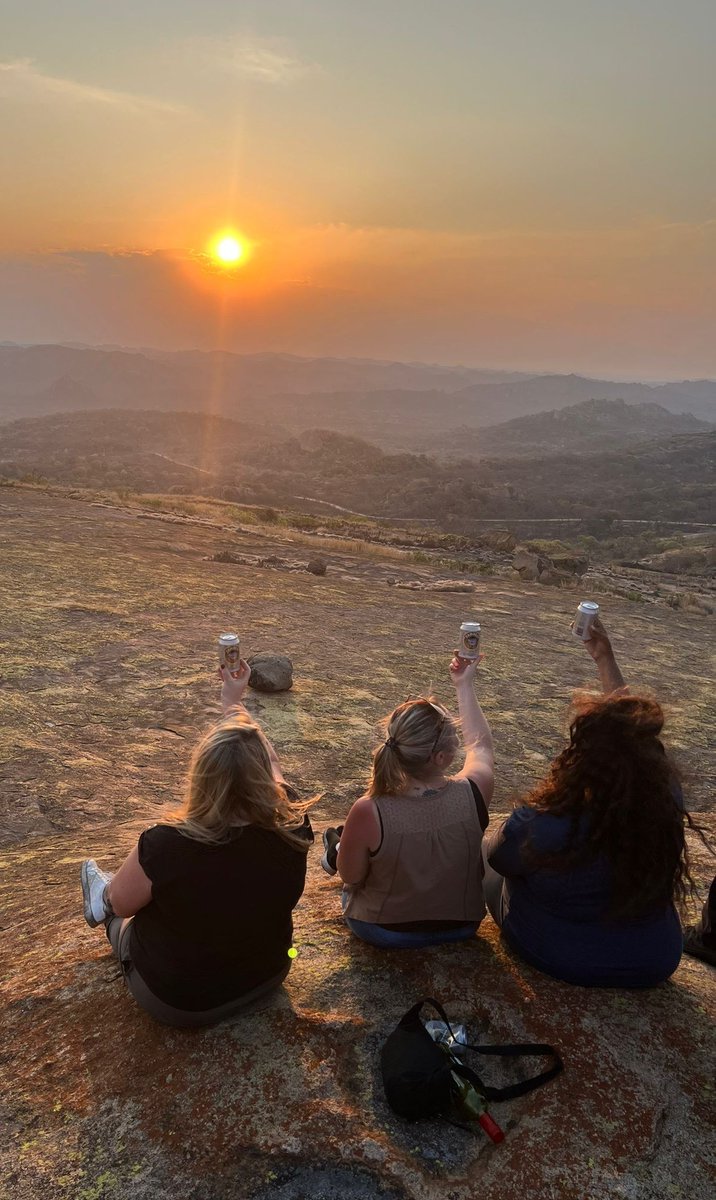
[[230, 652], [469, 640], [586, 613]]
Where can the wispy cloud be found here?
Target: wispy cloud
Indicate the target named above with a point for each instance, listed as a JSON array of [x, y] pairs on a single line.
[[259, 59], [22, 78]]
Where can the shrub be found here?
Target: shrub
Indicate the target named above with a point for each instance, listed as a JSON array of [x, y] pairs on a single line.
[[268, 516]]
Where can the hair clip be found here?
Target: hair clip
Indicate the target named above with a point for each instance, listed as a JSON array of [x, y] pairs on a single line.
[[391, 743]]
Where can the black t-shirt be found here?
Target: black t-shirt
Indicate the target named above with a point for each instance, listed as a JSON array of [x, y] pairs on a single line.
[[219, 921]]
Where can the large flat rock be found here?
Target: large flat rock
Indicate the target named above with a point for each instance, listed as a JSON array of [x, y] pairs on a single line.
[[287, 1102], [108, 634]]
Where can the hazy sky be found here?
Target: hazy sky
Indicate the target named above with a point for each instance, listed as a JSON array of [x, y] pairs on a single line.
[[518, 183]]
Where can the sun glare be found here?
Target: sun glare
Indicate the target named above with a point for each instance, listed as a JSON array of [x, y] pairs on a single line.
[[228, 250]]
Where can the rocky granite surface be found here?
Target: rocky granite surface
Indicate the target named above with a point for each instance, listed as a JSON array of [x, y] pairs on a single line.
[[107, 646]]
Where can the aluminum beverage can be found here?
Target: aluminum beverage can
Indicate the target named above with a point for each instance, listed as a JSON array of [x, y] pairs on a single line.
[[469, 639], [586, 613], [230, 652]]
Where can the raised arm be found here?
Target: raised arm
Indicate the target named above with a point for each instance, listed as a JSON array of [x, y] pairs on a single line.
[[233, 689], [476, 733], [600, 649]]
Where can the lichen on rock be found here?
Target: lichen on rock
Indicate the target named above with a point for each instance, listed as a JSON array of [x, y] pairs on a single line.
[[99, 1103]]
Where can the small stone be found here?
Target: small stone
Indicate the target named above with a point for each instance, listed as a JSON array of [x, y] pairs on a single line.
[[317, 565], [271, 672]]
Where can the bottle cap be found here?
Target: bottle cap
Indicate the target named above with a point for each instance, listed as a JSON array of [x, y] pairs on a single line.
[[491, 1128]]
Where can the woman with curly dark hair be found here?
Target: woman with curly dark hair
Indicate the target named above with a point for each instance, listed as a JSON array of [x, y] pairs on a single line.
[[585, 876]]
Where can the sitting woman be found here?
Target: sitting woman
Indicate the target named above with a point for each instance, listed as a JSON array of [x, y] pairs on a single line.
[[409, 853], [584, 876], [199, 914]]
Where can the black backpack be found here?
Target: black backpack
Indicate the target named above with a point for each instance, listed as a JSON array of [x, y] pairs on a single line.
[[418, 1072]]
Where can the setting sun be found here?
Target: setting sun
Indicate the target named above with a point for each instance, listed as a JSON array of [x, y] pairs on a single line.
[[228, 249]]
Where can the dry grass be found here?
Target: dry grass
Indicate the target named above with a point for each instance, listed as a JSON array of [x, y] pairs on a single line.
[[356, 546]]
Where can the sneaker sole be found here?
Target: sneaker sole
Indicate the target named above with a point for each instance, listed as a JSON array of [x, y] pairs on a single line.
[[86, 900], [327, 866]]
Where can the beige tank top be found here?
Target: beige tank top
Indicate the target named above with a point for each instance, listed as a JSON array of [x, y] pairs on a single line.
[[428, 866]]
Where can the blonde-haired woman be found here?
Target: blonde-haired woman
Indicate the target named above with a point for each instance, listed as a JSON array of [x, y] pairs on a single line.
[[410, 851], [200, 913]]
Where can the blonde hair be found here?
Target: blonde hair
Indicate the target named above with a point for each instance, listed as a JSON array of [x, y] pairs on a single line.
[[230, 782], [414, 732]]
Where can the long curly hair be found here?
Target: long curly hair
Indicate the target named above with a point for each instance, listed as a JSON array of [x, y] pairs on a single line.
[[623, 797]]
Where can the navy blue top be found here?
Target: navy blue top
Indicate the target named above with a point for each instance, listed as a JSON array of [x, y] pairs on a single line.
[[557, 920]]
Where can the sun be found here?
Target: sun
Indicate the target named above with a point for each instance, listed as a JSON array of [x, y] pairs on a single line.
[[228, 250]]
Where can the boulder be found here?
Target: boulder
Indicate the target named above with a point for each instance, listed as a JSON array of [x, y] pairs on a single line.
[[570, 564], [561, 571], [527, 564], [317, 565], [499, 539], [549, 577], [271, 672]]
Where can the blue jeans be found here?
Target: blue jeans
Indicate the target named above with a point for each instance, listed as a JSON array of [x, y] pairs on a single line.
[[393, 939]]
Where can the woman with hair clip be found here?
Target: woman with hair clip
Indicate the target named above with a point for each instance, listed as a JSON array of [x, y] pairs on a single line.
[[584, 876], [409, 853], [199, 914]]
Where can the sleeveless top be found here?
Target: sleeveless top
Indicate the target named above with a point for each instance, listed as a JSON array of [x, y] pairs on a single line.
[[428, 866]]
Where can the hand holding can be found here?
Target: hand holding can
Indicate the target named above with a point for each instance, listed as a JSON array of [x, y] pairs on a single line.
[[469, 640], [230, 653], [587, 612]]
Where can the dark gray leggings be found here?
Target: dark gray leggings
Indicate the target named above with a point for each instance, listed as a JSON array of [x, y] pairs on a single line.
[[119, 932]]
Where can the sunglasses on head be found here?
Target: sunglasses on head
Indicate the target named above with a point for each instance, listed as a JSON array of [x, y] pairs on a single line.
[[443, 718]]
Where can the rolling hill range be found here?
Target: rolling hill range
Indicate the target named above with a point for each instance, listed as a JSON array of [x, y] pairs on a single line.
[[405, 406], [669, 479], [589, 427], [42, 379]]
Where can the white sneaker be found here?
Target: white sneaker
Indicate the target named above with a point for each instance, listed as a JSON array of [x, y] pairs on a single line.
[[94, 882], [331, 842]]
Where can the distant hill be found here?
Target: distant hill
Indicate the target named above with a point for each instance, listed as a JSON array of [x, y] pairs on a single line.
[[403, 406], [589, 427], [670, 479], [39, 379], [501, 401]]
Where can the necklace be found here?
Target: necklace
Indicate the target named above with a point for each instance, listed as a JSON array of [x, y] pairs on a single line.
[[418, 789]]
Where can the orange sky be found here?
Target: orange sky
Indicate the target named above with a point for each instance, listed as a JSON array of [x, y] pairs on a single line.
[[507, 185]]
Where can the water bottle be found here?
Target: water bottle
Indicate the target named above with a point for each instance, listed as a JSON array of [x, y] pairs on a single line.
[[442, 1034]]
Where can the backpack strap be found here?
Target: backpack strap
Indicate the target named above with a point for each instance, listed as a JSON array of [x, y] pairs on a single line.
[[519, 1050]]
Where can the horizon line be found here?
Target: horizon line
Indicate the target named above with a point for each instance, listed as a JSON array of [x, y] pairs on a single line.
[[109, 347]]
